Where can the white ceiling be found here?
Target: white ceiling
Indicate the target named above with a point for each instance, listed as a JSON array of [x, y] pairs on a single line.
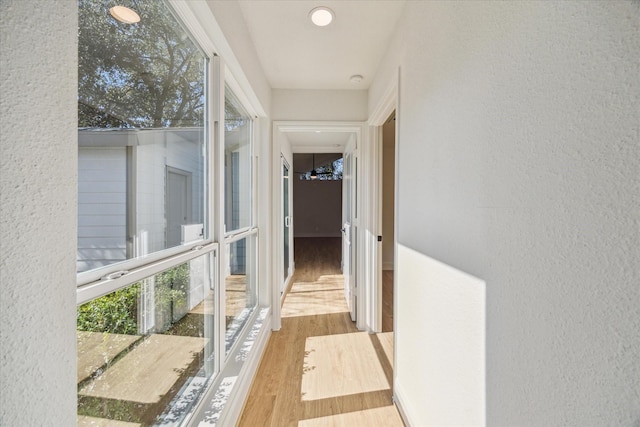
[[295, 54]]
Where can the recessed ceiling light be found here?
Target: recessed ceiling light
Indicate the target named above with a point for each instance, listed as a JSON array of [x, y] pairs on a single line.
[[321, 16], [124, 14]]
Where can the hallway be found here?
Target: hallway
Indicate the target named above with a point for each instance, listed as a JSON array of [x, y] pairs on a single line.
[[319, 370]]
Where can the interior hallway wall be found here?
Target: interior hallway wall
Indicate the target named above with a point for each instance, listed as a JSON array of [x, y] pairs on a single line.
[[229, 17], [319, 105], [519, 164], [38, 201], [317, 208]]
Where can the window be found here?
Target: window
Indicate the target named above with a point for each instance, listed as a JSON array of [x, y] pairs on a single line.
[[241, 293], [144, 351], [141, 141], [322, 167], [146, 316], [238, 158], [240, 278]]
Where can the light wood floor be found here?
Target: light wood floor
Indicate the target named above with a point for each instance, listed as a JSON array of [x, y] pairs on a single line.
[[319, 370]]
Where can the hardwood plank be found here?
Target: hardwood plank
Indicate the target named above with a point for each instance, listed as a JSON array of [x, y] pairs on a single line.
[[326, 295], [341, 365], [386, 339], [387, 301], [319, 370], [378, 417]]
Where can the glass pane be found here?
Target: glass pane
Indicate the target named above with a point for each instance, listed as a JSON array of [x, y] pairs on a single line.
[[238, 164], [145, 352], [141, 140], [240, 286], [286, 218]]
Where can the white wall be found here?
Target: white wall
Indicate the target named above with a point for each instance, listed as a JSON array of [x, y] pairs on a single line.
[[38, 197], [519, 164], [317, 208], [231, 21], [319, 105]]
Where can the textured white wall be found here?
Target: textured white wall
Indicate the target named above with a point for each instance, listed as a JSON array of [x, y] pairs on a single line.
[[444, 313], [519, 163], [38, 185]]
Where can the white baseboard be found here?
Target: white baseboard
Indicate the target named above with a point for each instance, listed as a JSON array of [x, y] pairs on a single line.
[[225, 398], [237, 400], [399, 400]]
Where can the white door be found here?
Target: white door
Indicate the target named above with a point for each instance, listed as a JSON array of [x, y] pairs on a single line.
[[349, 227], [177, 205], [286, 225]]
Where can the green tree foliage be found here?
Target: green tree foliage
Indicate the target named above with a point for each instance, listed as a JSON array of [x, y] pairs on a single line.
[[148, 74]]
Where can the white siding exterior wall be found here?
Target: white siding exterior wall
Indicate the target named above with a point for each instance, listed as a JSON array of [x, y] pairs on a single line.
[[102, 206], [102, 189]]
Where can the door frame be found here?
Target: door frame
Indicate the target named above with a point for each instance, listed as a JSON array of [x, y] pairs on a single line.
[[389, 102], [350, 222], [281, 145]]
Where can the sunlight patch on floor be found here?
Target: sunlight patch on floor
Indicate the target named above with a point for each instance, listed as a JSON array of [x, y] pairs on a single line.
[[324, 296], [386, 416], [341, 365]]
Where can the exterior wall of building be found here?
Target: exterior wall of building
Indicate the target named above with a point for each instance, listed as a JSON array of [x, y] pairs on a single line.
[[103, 188], [102, 206]]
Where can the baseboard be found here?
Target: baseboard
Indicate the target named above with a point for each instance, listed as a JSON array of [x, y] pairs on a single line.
[[325, 234], [225, 399], [399, 400], [238, 398]]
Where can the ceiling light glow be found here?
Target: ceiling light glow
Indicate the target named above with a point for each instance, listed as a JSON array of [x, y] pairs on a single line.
[[321, 16], [124, 14]]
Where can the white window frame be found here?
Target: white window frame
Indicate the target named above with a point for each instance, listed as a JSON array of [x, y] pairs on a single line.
[[222, 68]]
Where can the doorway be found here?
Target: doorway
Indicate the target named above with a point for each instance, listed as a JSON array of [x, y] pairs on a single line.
[[388, 220], [319, 139]]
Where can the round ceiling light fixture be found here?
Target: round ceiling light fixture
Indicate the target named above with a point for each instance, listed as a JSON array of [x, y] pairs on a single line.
[[321, 16], [356, 78], [124, 14]]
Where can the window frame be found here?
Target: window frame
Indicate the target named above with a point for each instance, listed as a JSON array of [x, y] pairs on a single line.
[[222, 69], [90, 283], [230, 84]]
